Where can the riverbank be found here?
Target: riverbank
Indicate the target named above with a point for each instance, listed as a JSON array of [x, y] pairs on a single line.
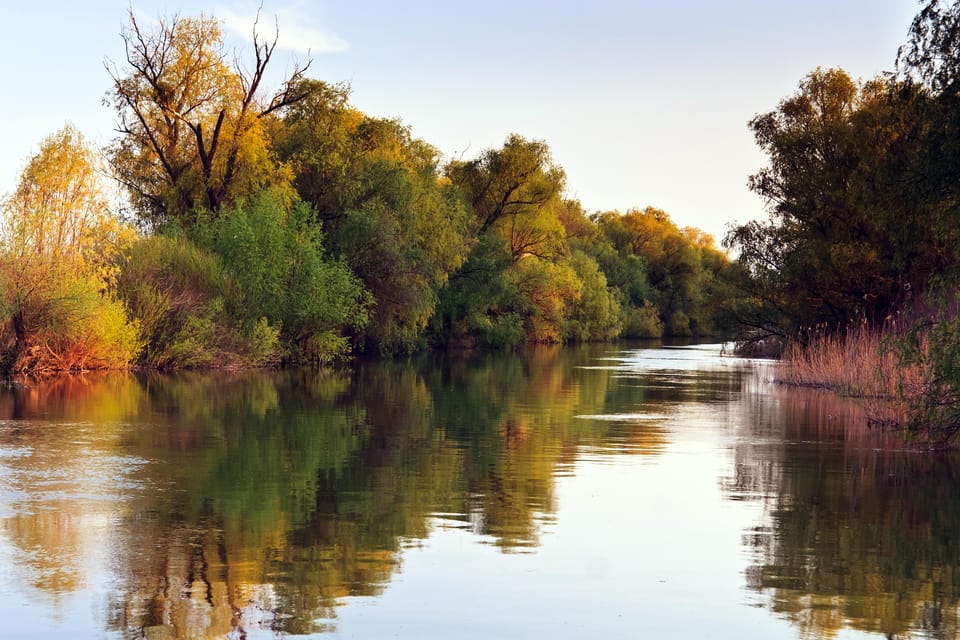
[[893, 370]]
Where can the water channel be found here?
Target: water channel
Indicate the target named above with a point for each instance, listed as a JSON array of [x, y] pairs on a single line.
[[602, 491]]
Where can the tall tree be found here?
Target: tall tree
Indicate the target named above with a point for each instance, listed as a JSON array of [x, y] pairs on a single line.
[[517, 283], [842, 163], [191, 122], [516, 192], [383, 206]]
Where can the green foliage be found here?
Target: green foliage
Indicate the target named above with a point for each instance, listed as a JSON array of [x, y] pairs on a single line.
[[403, 242], [515, 192], [291, 225], [176, 292], [642, 322], [596, 315], [849, 230], [657, 265], [679, 324], [517, 284], [282, 276], [546, 292], [384, 208], [479, 306], [861, 187]]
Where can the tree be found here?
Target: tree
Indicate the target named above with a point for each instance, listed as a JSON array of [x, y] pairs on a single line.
[[324, 141], [516, 192], [57, 243], [383, 206], [932, 54], [666, 274], [275, 252], [596, 315], [926, 339], [516, 283], [839, 187], [190, 123]]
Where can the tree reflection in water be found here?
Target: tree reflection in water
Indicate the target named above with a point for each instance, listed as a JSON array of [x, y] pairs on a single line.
[[248, 500], [860, 532]]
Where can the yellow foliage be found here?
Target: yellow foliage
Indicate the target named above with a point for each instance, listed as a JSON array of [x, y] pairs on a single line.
[[550, 288], [57, 260], [193, 132]]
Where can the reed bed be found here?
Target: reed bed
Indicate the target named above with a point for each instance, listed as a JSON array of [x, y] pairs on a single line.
[[899, 394], [849, 363]]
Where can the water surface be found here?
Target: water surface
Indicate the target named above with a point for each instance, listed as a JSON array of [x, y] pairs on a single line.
[[601, 491]]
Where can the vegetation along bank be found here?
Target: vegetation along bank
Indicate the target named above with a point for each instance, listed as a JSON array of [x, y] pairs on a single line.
[[289, 227], [857, 267]]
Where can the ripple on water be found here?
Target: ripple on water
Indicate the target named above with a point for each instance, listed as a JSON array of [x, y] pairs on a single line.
[[623, 417]]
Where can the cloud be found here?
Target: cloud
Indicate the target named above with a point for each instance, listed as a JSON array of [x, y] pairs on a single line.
[[296, 34]]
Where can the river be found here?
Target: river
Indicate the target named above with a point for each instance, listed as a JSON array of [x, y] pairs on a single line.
[[603, 491]]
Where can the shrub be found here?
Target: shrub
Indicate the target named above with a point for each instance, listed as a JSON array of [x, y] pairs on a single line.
[[178, 293], [642, 322], [63, 321], [272, 252]]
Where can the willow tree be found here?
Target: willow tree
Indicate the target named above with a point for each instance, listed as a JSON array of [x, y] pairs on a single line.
[[848, 232], [56, 243], [191, 120], [517, 283]]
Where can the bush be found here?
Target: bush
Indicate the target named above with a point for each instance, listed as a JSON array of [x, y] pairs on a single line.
[[61, 319], [643, 322], [178, 293], [272, 251]]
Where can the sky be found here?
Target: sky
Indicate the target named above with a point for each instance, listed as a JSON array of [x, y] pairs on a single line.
[[641, 102]]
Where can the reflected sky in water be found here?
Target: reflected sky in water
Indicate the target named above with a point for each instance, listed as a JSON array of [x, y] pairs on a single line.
[[609, 491]]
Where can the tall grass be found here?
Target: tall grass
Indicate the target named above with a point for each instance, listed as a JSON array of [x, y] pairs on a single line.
[[845, 362], [901, 392]]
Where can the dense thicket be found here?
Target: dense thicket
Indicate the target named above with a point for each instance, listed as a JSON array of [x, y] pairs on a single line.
[[289, 226], [863, 187]]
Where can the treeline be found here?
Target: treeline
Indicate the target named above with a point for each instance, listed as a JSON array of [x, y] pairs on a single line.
[[864, 228], [289, 226]]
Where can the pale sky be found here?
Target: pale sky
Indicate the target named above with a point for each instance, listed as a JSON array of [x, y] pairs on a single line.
[[642, 103]]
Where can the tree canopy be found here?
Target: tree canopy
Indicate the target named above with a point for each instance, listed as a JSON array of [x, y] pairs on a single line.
[[286, 225], [190, 121]]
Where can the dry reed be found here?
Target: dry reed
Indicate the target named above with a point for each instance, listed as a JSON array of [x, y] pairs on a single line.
[[845, 362], [862, 362]]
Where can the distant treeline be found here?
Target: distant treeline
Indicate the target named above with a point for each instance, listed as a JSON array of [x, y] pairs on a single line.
[[261, 228]]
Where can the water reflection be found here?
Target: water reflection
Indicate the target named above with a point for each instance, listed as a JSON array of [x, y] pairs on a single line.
[[205, 505], [859, 533], [240, 504]]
